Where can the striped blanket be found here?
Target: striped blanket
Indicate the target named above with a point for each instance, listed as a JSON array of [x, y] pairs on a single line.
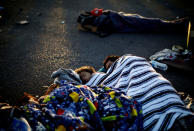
[[135, 76]]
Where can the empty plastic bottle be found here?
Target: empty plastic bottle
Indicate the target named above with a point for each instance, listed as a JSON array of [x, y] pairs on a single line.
[[159, 65]]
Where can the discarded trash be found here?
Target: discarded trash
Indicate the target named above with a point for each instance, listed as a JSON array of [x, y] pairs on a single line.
[[22, 22], [62, 22], [159, 65], [164, 54], [187, 53], [45, 86], [177, 48], [178, 57]]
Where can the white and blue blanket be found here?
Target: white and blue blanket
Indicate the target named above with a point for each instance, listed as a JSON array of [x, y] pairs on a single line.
[[135, 76]]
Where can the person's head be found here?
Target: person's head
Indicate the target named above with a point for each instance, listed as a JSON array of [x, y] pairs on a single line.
[[85, 73], [109, 60]]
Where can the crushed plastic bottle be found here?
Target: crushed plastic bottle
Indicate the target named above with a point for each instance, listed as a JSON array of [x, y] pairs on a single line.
[[22, 22], [159, 65]]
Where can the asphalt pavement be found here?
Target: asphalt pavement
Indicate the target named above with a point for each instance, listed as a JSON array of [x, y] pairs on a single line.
[[30, 53]]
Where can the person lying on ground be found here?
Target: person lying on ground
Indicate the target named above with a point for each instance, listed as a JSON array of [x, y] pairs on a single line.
[[85, 73], [162, 106], [77, 108], [108, 61], [79, 76], [105, 22]]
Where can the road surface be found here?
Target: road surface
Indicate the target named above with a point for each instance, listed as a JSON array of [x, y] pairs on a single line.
[[30, 53]]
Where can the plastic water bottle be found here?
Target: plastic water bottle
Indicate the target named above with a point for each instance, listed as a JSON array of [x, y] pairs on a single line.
[[159, 65]]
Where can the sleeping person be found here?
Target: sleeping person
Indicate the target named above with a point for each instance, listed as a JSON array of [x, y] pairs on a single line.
[[85, 73], [161, 105], [108, 61], [150, 103], [109, 21]]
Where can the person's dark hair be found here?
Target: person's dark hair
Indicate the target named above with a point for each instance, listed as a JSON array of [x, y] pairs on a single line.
[[112, 58], [89, 69]]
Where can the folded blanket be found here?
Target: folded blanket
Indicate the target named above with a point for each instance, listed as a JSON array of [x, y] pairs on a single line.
[[135, 76]]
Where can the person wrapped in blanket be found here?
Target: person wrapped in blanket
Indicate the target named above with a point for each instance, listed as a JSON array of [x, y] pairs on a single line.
[[161, 105], [67, 105], [108, 61], [105, 22]]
